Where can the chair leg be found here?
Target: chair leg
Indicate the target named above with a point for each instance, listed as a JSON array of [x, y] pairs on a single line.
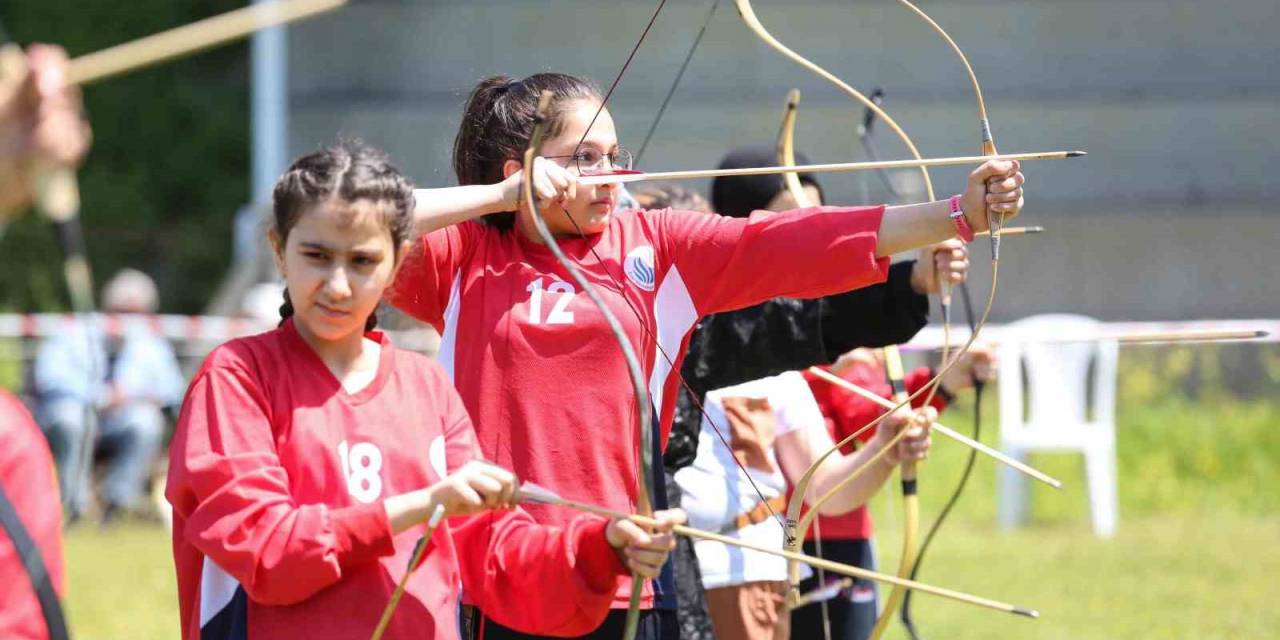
[[1012, 493], [1100, 469]]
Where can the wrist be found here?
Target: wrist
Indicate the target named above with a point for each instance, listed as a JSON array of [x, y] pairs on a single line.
[[960, 219], [507, 196]]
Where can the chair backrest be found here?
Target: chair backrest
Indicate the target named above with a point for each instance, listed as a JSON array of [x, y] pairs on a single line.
[[1057, 375]]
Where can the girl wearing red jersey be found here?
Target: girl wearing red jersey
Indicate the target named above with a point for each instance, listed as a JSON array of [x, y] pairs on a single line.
[[308, 458], [532, 358]]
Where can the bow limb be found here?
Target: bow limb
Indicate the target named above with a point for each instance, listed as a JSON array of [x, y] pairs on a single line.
[[910, 501], [419, 550], [644, 426], [796, 531], [800, 199], [749, 17], [787, 151]]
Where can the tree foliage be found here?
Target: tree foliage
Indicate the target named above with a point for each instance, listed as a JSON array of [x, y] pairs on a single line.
[[169, 164]]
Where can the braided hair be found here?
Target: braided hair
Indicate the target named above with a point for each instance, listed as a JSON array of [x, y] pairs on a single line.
[[346, 172]]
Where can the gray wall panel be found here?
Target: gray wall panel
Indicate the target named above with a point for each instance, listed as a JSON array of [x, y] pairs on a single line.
[[1173, 214]]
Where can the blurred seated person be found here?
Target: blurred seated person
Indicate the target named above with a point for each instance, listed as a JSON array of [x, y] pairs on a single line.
[[121, 382]]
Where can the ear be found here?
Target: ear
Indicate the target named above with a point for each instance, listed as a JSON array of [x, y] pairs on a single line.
[[277, 251], [511, 166]]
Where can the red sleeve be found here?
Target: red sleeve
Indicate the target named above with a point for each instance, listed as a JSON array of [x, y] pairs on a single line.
[[918, 378], [731, 263], [427, 276], [27, 474], [233, 494], [461, 444], [563, 580], [850, 411]]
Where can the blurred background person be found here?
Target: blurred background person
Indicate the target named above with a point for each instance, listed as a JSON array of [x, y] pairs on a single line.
[[142, 380], [850, 607]]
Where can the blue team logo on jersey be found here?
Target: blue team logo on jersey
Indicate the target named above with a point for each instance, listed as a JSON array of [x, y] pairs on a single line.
[[639, 268]]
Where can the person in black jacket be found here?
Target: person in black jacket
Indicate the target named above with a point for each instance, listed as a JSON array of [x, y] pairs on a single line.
[[784, 334], [779, 335]]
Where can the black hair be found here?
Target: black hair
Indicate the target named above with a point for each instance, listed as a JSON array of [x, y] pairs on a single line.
[[738, 196], [497, 123], [347, 171]]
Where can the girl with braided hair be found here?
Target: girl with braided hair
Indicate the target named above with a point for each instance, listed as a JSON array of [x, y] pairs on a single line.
[[308, 459]]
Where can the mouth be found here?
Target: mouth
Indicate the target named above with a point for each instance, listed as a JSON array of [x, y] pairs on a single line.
[[331, 312], [603, 202]]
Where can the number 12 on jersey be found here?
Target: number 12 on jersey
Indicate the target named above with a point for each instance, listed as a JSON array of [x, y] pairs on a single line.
[[559, 311]]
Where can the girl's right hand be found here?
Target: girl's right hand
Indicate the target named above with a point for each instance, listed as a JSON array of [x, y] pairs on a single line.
[[476, 487], [551, 183]]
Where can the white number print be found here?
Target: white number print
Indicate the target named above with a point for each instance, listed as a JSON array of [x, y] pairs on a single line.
[[361, 464], [559, 311]]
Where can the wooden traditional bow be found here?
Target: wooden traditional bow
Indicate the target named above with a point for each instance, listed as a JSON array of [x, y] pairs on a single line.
[[645, 434], [910, 497], [797, 525]]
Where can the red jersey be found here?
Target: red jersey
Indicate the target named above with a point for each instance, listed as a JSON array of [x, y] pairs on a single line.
[[277, 476], [845, 413], [537, 367], [27, 473]]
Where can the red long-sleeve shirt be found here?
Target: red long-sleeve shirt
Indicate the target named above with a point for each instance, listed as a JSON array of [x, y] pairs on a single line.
[[26, 471], [845, 413], [277, 477], [538, 369]]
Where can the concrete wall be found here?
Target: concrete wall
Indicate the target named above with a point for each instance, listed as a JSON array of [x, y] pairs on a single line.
[[1173, 214]]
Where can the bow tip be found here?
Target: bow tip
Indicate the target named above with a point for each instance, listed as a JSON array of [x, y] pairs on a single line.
[[1076, 154], [1030, 613]]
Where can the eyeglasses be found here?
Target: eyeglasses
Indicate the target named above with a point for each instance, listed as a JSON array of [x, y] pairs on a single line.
[[590, 161]]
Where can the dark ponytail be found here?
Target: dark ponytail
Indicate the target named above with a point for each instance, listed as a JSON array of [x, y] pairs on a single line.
[[347, 171], [498, 121]]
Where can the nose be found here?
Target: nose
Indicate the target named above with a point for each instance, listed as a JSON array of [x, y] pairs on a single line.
[[337, 286]]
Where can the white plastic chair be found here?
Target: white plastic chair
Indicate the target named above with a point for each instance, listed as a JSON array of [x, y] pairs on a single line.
[[1060, 412]]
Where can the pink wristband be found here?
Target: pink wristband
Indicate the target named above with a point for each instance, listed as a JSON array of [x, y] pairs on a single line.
[[961, 223]]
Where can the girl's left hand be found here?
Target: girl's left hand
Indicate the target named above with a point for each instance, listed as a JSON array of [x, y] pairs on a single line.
[[994, 188], [641, 551]]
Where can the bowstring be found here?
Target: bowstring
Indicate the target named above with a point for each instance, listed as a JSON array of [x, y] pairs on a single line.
[[684, 66], [978, 386]]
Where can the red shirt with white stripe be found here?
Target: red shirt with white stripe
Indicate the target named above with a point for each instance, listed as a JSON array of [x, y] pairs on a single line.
[[537, 367], [845, 413], [277, 476]]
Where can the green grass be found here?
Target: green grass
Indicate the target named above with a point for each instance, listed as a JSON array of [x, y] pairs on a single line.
[[121, 583]]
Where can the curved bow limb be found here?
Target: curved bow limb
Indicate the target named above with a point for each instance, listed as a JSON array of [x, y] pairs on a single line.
[[910, 500], [645, 443], [748, 15], [797, 531]]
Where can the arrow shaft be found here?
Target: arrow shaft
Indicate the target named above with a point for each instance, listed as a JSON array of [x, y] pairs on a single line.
[[837, 167], [191, 38], [940, 428]]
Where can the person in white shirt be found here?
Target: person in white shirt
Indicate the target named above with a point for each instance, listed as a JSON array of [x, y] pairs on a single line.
[[775, 430]]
